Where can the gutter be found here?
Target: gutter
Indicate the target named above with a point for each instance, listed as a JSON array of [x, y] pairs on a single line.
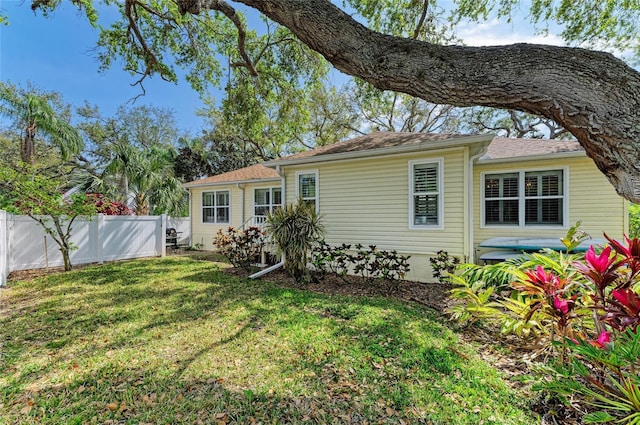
[[367, 153], [573, 154], [227, 183]]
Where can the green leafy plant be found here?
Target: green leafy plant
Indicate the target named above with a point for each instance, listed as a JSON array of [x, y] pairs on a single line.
[[585, 313], [295, 229], [443, 265], [240, 246], [328, 259], [41, 198], [634, 221], [473, 300], [370, 263]]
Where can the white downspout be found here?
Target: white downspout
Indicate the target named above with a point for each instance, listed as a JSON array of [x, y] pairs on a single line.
[[190, 218], [472, 159], [281, 263], [241, 187], [283, 183]]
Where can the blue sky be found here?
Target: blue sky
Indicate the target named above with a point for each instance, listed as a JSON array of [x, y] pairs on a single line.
[[55, 54]]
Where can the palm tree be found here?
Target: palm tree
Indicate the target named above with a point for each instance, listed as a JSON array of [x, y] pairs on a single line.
[[142, 177], [34, 113]]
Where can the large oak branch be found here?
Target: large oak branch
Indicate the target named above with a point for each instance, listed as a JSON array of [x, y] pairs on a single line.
[[592, 94]]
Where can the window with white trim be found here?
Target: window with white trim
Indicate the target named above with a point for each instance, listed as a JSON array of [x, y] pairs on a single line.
[[524, 198], [266, 200], [307, 187], [426, 193], [215, 207]]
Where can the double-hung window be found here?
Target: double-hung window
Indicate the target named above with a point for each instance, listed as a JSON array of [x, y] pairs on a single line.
[[215, 207], [307, 187], [426, 194], [524, 198], [266, 200]]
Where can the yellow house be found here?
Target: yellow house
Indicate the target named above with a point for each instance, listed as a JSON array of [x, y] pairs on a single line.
[[234, 199], [422, 193]]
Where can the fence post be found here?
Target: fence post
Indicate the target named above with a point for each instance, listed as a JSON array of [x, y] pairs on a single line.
[[163, 234], [99, 238], [4, 248]]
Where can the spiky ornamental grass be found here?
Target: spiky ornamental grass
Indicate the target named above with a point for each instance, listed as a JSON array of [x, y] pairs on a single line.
[[295, 228]]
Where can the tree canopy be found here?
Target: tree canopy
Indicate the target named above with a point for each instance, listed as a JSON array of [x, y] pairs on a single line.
[[39, 114], [592, 94]]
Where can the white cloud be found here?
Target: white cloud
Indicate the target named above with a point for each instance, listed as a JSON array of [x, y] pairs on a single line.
[[495, 33]]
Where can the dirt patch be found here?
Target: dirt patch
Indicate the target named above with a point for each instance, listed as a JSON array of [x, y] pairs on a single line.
[[433, 295]]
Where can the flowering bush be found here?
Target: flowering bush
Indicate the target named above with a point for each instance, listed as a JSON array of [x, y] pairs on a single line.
[[586, 310], [107, 207], [240, 247]]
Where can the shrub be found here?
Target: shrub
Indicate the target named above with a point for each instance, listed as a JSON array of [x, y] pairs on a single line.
[[336, 260], [443, 265], [370, 264], [585, 310], [240, 247], [295, 229], [634, 221], [108, 207]]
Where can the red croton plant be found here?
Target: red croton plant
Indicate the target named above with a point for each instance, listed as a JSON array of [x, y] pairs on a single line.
[[108, 207], [593, 307]]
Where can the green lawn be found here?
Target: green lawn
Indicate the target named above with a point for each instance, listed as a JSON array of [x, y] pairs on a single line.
[[176, 340]]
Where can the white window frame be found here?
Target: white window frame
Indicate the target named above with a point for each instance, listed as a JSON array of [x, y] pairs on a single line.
[[440, 164], [522, 199], [271, 204], [215, 207], [316, 199]]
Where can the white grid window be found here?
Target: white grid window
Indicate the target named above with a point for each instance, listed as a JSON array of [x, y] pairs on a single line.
[[215, 207], [266, 200], [524, 198], [426, 194], [307, 187]]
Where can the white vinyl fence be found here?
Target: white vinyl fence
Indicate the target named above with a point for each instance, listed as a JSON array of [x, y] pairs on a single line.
[[24, 244]]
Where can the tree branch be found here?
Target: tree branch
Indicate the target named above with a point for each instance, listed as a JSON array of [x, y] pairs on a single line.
[[591, 94], [195, 7]]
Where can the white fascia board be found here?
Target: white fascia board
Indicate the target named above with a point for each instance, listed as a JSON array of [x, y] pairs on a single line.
[[419, 147]]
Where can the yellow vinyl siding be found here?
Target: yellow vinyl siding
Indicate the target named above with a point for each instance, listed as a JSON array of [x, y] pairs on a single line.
[[591, 199], [366, 201], [204, 232]]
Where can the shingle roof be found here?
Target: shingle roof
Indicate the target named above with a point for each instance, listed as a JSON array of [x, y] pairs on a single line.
[[502, 147], [253, 173], [376, 140], [499, 148]]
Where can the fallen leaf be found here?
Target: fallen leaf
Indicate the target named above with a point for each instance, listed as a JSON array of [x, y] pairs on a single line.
[[26, 409], [112, 406]]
